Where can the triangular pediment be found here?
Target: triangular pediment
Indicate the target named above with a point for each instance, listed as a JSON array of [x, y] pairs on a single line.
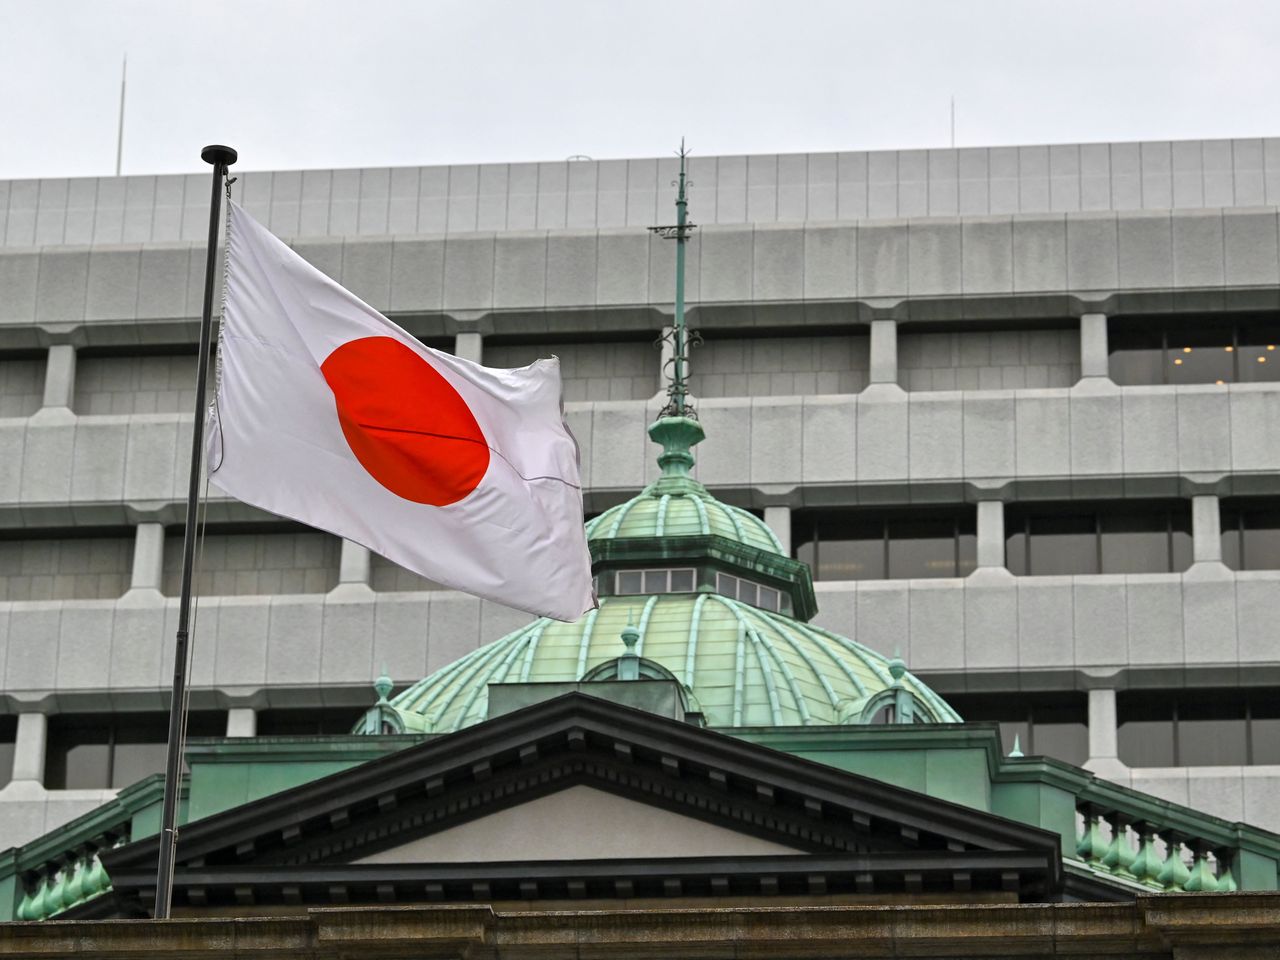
[[578, 823], [581, 797]]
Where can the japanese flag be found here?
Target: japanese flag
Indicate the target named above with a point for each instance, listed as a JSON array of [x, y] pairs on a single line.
[[329, 413]]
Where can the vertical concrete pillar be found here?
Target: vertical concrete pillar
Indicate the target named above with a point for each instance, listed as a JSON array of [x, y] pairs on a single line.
[[148, 556], [1206, 530], [60, 376], [354, 565], [469, 344], [1103, 738], [1093, 346], [990, 533], [884, 351], [242, 722], [778, 519], [29, 747]]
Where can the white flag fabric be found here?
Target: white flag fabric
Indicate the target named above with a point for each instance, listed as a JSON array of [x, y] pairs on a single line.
[[329, 413]]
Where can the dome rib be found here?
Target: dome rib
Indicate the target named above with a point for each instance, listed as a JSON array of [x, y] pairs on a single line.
[[770, 685], [584, 642], [803, 655], [527, 666], [739, 673], [660, 524], [691, 648], [643, 625], [737, 525], [504, 666], [822, 642], [741, 615], [705, 523], [481, 662]]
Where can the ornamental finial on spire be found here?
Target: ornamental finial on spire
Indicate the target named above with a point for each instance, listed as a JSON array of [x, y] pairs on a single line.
[[678, 389]]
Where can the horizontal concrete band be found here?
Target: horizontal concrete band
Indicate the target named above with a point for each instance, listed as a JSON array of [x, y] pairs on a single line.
[[636, 192], [881, 446], [990, 631], [1157, 260]]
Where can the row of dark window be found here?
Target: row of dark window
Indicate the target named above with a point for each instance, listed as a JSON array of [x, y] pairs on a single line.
[[1156, 728], [94, 751], [1041, 539], [1182, 350]]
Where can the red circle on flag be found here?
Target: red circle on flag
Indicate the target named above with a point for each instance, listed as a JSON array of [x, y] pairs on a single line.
[[406, 423]]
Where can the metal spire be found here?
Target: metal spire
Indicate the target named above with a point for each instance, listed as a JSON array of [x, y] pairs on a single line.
[[678, 389]]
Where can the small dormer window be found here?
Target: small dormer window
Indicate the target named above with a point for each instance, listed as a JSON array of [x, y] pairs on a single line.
[[636, 582], [756, 594]]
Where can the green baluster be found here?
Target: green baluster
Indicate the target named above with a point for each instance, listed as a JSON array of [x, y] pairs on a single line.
[[54, 902], [1201, 879], [1120, 854], [1146, 865], [1174, 873], [25, 911], [1092, 847], [75, 885], [1226, 879], [38, 908]]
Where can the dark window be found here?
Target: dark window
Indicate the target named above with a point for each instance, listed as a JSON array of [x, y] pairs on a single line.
[[1213, 349], [1050, 723], [755, 594], [845, 544], [1251, 534], [307, 721], [639, 582], [1194, 728], [95, 751], [8, 734], [1132, 536]]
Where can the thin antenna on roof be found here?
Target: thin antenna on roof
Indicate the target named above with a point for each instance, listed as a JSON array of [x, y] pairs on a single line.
[[124, 74], [953, 122], [677, 390]]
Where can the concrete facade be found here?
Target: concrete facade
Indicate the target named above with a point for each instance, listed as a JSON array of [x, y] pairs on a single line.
[[890, 329]]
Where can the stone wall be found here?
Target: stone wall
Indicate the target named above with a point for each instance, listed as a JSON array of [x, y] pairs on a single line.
[[21, 386], [163, 383], [623, 370], [779, 366], [235, 564], [64, 568], [989, 360]]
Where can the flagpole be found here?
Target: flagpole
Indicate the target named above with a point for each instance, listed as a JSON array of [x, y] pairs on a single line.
[[221, 157]]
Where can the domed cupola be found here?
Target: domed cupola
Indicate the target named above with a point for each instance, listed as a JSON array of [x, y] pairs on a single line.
[[702, 596], [699, 591], [675, 537]]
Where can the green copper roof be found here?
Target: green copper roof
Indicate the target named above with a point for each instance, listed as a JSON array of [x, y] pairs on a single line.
[[742, 666], [677, 505]]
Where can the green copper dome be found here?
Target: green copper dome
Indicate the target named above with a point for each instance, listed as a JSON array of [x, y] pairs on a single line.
[[740, 665], [676, 505], [701, 592]]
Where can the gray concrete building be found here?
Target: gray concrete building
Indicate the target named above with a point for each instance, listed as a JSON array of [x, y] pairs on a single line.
[[1019, 407]]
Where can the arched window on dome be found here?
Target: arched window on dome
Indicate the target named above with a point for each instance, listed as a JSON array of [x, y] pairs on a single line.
[[895, 705]]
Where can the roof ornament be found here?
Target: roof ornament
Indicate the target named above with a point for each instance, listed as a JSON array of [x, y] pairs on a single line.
[[1017, 747], [383, 685], [678, 390], [677, 428], [629, 662]]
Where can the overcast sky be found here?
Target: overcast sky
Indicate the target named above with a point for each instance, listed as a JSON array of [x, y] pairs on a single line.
[[343, 83]]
